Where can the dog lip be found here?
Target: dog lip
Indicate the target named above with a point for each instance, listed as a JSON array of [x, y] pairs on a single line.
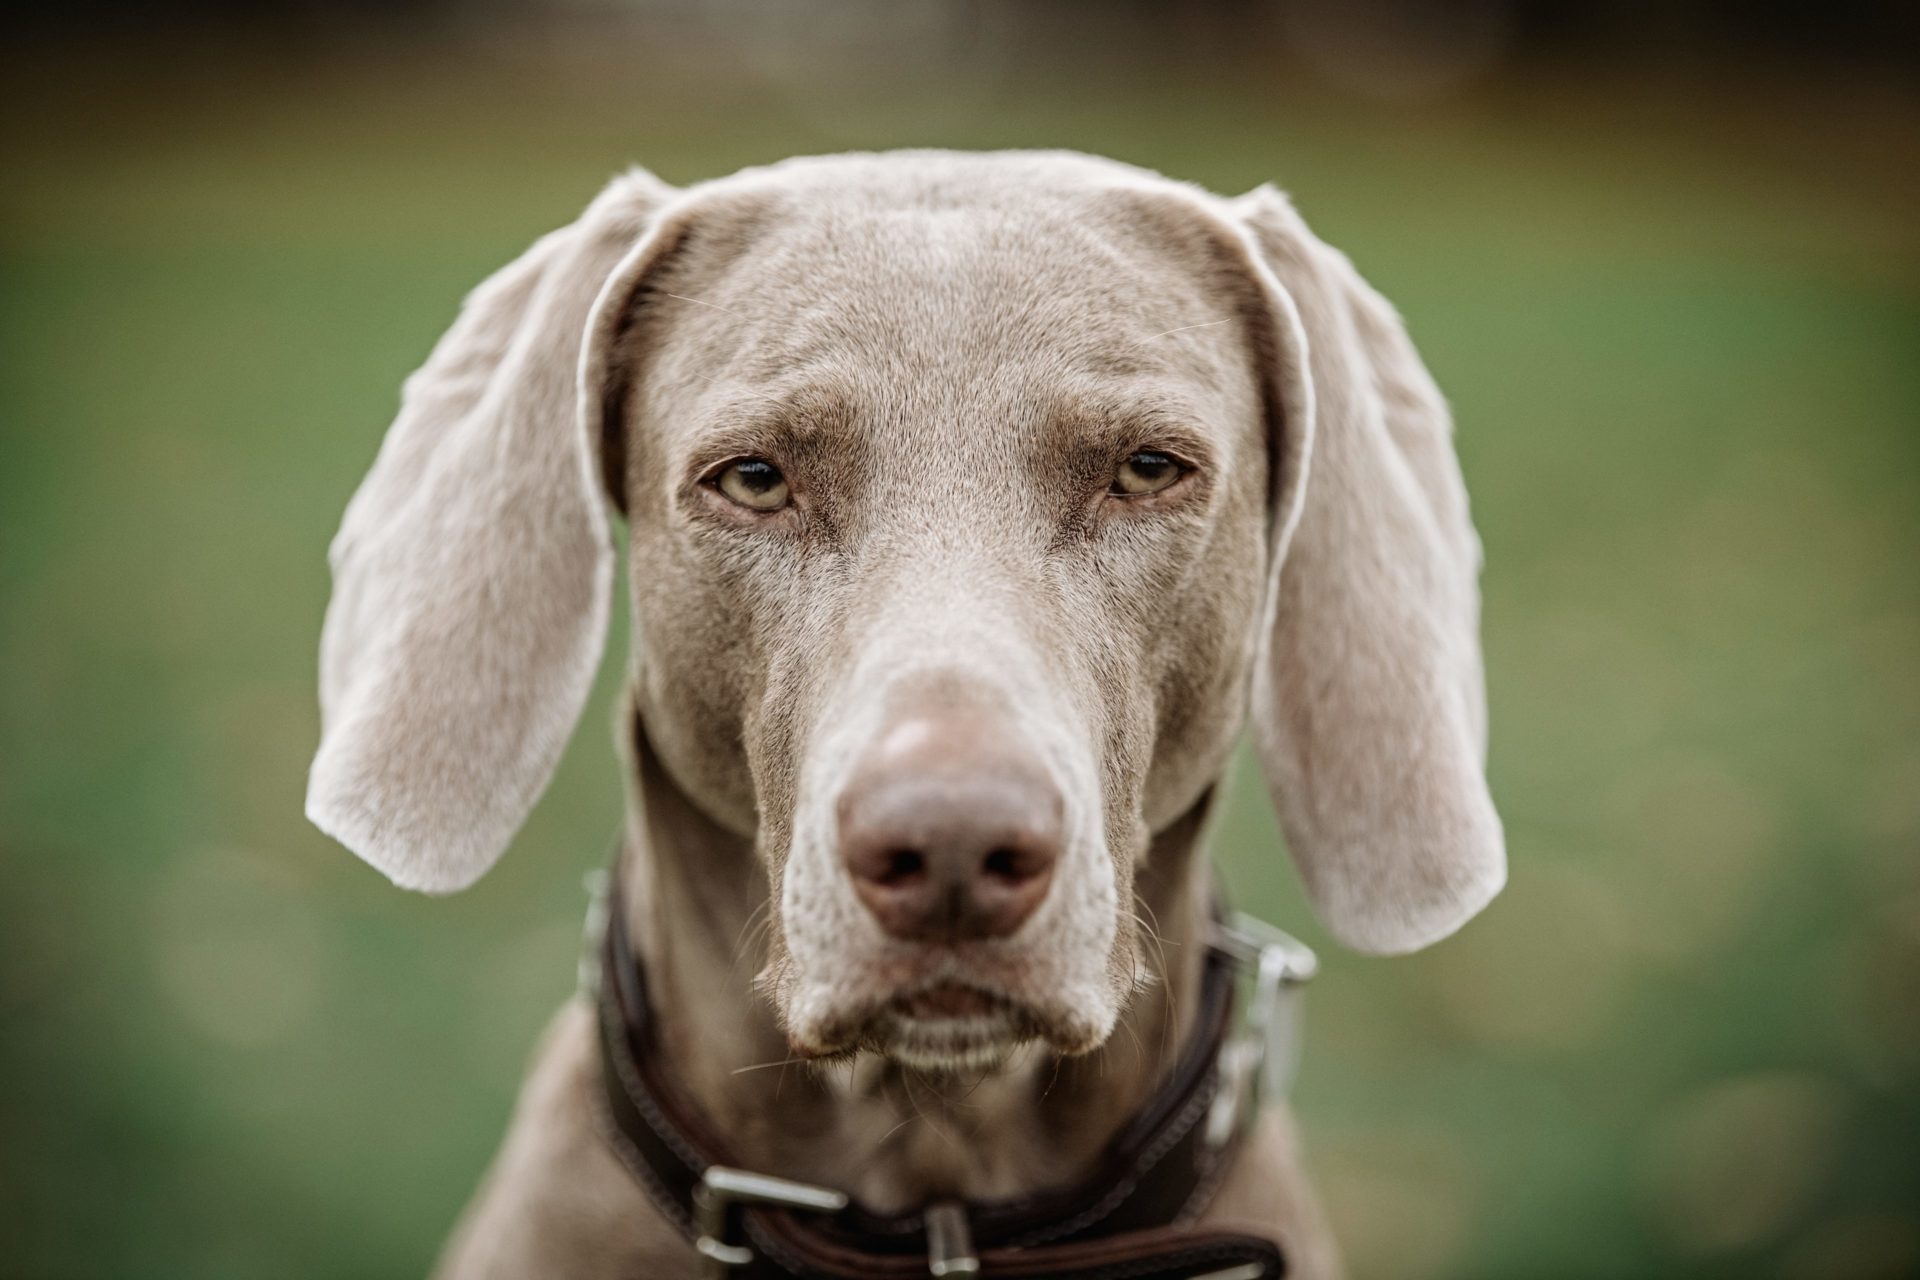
[[949, 1000], [951, 1028], [922, 1002]]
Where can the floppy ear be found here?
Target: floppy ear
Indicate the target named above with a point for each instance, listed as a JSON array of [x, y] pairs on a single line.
[[473, 569], [1369, 703]]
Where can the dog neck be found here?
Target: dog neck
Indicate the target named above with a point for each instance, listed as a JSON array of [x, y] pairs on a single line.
[[696, 897]]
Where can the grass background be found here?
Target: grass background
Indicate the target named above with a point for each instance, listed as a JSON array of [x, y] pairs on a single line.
[[1677, 320]]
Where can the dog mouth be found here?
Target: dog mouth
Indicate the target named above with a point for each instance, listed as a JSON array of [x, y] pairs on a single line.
[[951, 1027], [944, 1027], [948, 1001]]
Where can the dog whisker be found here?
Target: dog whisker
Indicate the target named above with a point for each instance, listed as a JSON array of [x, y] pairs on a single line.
[[1059, 1060], [1153, 928], [753, 934], [1181, 329], [1139, 1047], [762, 1066], [938, 1130], [1145, 977], [698, 303], [896, 1128]]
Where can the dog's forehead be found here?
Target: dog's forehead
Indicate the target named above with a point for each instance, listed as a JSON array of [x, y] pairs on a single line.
[[950, 287]]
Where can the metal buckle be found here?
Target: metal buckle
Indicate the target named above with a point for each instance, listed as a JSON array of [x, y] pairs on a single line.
[[1245, 1271], [1259, 1060], [593, 932], [721, 1188], [950, 1240]]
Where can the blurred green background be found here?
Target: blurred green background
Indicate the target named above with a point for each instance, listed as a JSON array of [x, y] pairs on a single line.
[[1672, 289]]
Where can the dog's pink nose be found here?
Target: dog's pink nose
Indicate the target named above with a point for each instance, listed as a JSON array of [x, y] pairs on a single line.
[[950, 830]]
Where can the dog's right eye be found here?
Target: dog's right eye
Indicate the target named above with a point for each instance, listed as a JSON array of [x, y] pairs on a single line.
[[1146, 473], [753, 483]]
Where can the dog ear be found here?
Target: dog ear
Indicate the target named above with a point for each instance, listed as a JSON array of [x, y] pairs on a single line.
[[473, 569], [1369, 700]]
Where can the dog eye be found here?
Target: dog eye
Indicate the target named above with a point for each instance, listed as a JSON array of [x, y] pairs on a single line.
[[754, 483], [1144, 473]]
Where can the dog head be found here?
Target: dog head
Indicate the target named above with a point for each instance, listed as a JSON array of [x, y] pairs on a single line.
[[971, 500]]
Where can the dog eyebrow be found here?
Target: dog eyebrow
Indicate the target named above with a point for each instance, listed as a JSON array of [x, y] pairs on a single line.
[[746, 420], [1114, 419]]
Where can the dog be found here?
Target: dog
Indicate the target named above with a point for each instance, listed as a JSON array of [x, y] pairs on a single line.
[[970, 501]]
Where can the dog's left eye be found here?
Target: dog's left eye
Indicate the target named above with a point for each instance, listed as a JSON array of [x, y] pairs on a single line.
[[754, 483], [1144, 473]]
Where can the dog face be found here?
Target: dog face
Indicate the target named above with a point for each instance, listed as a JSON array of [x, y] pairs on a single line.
[[967, 497], [947, 561]]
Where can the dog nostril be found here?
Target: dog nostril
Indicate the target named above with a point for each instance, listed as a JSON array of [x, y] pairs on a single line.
[[901, 866], [1006, 864], [948, 830]]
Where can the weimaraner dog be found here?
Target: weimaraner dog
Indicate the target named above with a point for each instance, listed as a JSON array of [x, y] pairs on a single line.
[[970, 501]]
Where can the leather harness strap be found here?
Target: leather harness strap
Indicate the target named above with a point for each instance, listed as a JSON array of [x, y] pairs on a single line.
[[1128, 1220]]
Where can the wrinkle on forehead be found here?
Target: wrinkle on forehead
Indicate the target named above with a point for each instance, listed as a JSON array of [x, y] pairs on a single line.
[[945, 297]]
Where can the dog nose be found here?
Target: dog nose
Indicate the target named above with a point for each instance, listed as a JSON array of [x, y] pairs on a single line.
[[949, 829]]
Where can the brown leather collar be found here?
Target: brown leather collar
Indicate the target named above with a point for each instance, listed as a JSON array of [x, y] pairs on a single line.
[[1130, 1218]]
